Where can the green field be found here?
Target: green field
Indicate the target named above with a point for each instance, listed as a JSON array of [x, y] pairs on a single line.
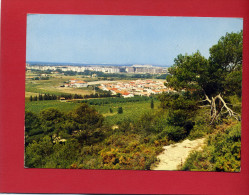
[[131, 110], [37, 106], [52, 86]]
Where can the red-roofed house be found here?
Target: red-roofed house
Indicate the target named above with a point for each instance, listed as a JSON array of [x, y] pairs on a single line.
[[80, 84]]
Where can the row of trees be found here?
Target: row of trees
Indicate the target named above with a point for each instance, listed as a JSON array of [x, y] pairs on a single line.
[[41, 97], [45, 96], [112, 100]]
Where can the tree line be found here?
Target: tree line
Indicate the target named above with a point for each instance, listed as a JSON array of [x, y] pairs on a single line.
[[112, 100], [45, 96]]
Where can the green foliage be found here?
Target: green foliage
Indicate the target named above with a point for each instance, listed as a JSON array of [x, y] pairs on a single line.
[[182, 109], [87, 142], [201, 126], [112, 100], [152, 104], [64, 154], [220, 73], [214, 79], [225, 67], [86, 115], [199, 131], [37, 153], [36, 106], [188, 72], [145, 124], [120, 110], [32, 124], [175, 133], [162, 76], [177, 117], [51, 114], [51, 120], [233, 83], [133, 110], [175, 101], [227, 53], [127, 151], [222, 152], [81, 126]]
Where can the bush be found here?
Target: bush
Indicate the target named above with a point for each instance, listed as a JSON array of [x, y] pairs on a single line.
[[175, 133], [222, 152], [177, 117], [120, 110]]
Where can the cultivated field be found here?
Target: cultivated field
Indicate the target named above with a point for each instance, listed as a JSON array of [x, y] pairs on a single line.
[[52, 86], [131, 110]]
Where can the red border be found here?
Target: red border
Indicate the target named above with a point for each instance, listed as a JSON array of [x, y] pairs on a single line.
[[14, 178]]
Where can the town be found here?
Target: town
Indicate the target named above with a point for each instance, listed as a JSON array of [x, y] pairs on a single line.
[[137, 87], [135, 69], [126, 89]]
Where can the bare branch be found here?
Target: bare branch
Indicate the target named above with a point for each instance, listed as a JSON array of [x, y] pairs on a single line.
[[229, 110], [215, 112], [207, 99]]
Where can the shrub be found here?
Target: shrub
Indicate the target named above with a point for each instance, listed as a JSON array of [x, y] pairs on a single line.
[[175, 133], [222, 152], [120, 110]]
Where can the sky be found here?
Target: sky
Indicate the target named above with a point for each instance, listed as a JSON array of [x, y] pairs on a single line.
[[103, 39]]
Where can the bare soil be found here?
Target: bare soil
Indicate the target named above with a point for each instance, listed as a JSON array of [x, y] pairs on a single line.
[[174, 155]]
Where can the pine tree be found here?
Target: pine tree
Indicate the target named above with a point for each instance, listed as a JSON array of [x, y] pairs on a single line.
[[120, 110], [152, 104]]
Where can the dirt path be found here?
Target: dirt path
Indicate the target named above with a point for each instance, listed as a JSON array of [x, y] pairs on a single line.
[[175, 154]]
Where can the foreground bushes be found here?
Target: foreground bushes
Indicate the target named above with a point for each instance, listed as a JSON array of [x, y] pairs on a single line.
[[222, 152], [79, 139]]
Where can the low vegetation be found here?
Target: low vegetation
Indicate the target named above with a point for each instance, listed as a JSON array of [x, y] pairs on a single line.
[[80, 139], [222, 152]]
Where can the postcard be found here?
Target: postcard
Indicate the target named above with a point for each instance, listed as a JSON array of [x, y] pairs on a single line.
[[133, 92]]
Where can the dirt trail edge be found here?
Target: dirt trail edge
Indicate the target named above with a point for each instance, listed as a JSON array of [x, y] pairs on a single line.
[[175, 154]]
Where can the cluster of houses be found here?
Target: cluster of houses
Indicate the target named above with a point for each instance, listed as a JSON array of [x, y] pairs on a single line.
[[76, 83], [137, 87], [127, 88]]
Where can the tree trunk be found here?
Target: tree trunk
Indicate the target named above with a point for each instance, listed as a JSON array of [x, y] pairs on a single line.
[[216, 110]]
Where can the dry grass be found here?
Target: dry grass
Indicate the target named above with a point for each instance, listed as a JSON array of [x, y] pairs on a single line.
[[28, 94], [73, 90]]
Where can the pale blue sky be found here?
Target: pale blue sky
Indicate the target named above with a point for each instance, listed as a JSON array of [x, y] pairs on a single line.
[[95, 39]]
